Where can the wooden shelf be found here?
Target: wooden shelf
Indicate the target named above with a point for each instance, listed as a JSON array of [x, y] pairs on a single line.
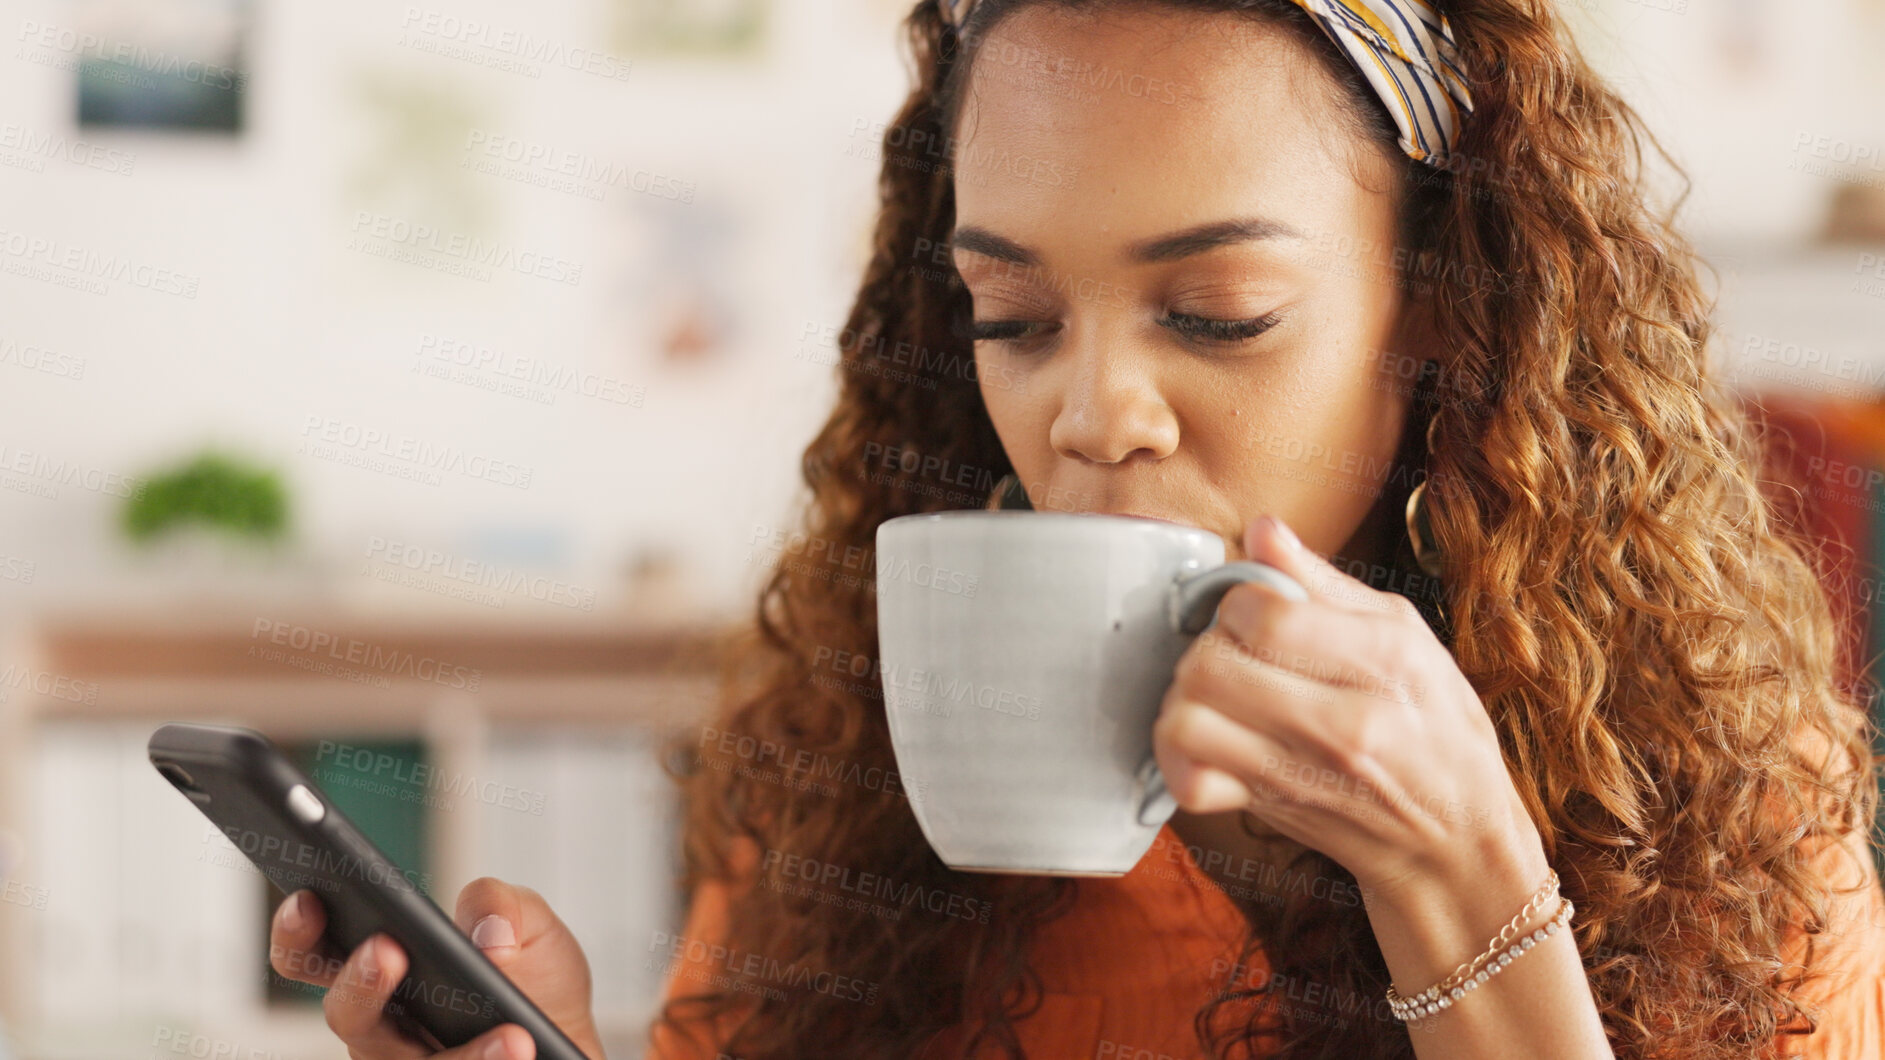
[[352, 668], [152, 645]]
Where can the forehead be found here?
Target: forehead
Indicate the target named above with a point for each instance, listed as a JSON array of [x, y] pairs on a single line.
[[1144, 117]]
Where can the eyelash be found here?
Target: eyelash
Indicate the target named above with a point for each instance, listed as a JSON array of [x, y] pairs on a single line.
[[1201, 329]]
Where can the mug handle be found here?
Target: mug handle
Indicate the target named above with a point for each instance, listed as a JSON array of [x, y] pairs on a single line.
[[1191, 608]]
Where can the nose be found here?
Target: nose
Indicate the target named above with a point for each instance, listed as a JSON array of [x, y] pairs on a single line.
[[1111, 408]]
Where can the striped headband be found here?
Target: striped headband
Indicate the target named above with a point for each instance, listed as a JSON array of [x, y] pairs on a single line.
[[1406, 50]]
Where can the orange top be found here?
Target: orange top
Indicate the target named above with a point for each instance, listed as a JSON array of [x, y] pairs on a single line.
[[1126, 970], [1851, 955]]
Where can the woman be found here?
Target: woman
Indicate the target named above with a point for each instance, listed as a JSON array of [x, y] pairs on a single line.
[[1265, 269]]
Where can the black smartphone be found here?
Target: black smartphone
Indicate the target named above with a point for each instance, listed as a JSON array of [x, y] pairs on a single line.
[[277, 817]]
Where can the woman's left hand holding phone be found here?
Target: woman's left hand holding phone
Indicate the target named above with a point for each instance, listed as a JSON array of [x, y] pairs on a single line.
[[514, 927]]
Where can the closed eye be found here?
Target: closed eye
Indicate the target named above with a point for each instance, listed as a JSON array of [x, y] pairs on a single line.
[[1005, 330], [1210, 329], [1204, 329]]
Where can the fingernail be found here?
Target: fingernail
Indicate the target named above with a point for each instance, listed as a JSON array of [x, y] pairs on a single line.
[[370, 963], [495, 1049], [291, 917], [493, 930], [1289, 536]]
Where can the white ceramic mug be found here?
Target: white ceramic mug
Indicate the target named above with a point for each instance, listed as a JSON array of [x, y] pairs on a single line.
[[1023, 656]]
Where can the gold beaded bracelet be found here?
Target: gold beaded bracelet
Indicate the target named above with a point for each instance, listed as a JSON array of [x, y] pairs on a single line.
[[1473, 973]]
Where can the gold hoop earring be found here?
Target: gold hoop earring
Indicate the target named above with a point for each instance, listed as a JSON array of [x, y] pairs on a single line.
[[1008, 496], [1420, 532]]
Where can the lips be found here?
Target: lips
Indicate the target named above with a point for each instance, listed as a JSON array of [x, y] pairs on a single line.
[[1142, 515]]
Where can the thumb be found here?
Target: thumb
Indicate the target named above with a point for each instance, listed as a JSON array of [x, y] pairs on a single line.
[[492, 913], [531, 945]]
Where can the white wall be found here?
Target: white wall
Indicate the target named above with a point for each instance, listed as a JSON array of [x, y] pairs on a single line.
[[1811, 68], [288, 326]]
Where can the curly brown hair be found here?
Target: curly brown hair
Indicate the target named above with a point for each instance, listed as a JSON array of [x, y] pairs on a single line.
[[1647, 633]]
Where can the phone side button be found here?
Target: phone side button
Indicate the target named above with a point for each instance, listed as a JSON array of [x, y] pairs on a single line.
[[305, 805]]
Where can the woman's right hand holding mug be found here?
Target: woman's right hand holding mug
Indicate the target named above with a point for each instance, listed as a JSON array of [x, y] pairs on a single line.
[[512, 925]]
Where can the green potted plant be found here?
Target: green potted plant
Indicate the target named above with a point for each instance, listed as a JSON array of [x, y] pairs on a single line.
[[214, 491]]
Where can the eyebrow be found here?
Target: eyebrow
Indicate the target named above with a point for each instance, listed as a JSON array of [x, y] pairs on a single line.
[[1171, 247]]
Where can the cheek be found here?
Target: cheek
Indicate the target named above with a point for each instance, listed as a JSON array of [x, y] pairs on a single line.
[[1006, 390], [995, 398], [1005, 399], [1022, 412], [1343, 393], [1380, 401], [1318, 417]]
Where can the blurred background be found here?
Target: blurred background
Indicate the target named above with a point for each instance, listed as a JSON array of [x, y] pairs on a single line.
[[424, 385]]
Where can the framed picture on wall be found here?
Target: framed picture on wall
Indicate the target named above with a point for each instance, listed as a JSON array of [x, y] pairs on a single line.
[[162, 64], [687, 28]]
